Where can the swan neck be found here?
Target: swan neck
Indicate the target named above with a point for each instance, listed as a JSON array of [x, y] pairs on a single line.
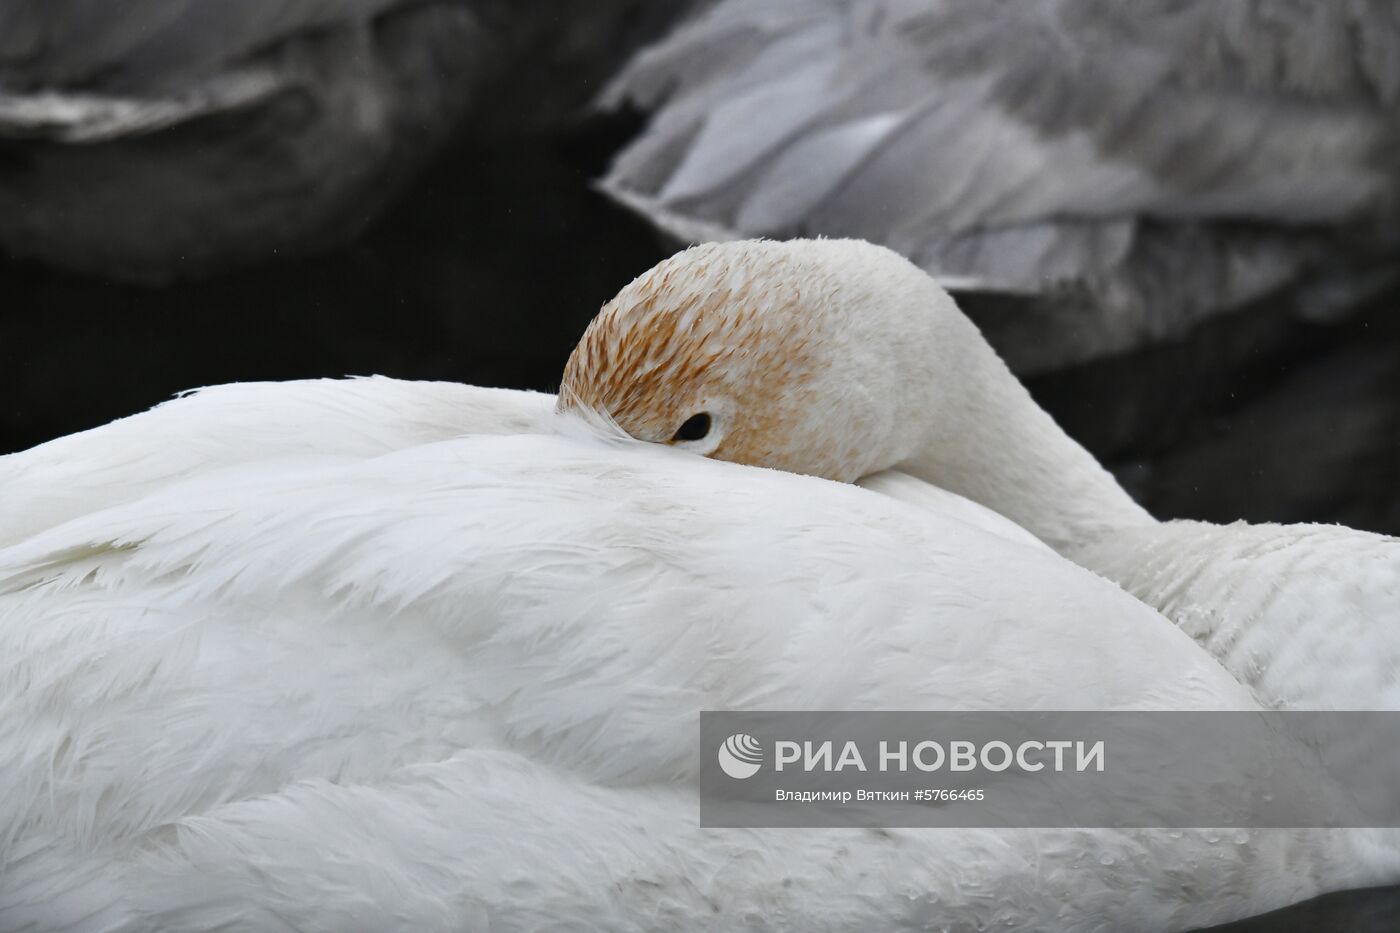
[[992, 443]]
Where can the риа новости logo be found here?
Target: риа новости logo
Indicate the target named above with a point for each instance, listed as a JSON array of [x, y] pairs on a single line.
[[741, 756]]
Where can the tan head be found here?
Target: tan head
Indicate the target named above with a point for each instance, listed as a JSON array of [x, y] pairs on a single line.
[[788, 355]]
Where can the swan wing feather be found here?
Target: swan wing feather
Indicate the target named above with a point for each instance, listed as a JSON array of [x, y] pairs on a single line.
[[1008, 146]]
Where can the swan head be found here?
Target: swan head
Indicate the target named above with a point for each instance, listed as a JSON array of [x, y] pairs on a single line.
[[793, 355], [839, 359]]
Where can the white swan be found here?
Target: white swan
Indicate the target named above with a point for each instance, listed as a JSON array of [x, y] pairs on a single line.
[[1133, 170], [839, 358], [299, 656], [333, 670]]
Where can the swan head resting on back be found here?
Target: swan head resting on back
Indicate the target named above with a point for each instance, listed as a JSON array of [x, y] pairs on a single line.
[[745, 352], [839, 359]]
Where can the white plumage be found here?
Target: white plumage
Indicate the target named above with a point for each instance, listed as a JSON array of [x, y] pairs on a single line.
[[224, 426], [303, 657]]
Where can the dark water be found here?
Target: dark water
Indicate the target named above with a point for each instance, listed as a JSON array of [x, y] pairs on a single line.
[[490, 269], [1253, 416], [487, 273]]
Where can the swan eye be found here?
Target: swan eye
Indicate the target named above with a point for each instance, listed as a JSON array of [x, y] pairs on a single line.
[[694, 429]]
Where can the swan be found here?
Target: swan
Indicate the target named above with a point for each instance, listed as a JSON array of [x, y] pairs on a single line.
[[375, 655], [163, 139], [1125, 171], [840, 359], [341, 667]]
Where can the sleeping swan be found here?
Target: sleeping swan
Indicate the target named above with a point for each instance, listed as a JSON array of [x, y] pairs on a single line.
[[374, 655], [838, 358]]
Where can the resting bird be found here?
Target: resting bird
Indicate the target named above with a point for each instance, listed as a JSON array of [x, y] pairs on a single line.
[[168, 138], [376, 655], [840, 359], [1117, 171]]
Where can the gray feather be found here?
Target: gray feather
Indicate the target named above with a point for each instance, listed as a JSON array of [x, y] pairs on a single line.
[[91, 118], [1024, 146]]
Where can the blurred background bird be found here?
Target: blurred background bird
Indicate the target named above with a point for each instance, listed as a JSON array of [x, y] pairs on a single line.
[[171, 139], [1124, 169]]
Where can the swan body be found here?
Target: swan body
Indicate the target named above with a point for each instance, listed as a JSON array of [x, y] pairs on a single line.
[[1127, 173], [242, 423], [362, 673], [229, 425], [1309, 615], [839, 358], [372, 655]]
